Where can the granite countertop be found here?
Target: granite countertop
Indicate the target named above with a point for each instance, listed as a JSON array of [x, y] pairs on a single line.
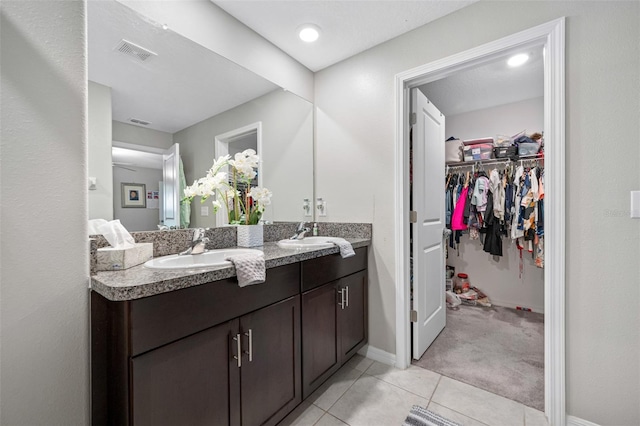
[[139, 282]]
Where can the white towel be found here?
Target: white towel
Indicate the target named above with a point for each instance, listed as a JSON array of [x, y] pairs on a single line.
[[250, 268], [346, 250]]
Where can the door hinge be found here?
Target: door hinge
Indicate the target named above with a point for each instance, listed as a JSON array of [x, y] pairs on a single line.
[[414, 316], [413, 216], [413, 119]]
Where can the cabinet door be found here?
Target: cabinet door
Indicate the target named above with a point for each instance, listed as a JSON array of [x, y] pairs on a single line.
[[320, 345], [352, 320], [188, 382], [270, 372]]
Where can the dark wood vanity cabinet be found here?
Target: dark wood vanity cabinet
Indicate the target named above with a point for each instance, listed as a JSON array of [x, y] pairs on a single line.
[[270, 378], [172, 358], [334, 315], [199, 380], [218, 354], [190, 381]]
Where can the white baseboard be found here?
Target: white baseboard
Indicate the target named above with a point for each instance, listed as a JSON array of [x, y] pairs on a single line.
[[512, 305], [378, 355], [576, 421]]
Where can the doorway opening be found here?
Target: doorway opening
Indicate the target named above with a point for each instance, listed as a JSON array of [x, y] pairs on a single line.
[[550, 37], [236, 141], [158, 170]]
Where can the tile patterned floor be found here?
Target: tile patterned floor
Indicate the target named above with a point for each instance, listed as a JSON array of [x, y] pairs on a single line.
[[368, 393]]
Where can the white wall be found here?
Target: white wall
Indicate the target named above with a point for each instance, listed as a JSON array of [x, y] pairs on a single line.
[[500, 279], [208, 25], [508, 119], [129, 133], [44, 355], [355, 134], [136, 219], [99, 147], [287, 157]]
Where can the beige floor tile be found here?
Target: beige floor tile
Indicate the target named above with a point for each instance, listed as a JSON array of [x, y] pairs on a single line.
[[414, 379], [478, 404], [533, 417], [360, 363], [372, 402], [453, 415], [331, 390], [305, 414], [329, 420]]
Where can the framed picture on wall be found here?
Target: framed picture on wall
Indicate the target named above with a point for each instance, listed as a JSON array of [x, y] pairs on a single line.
[[134, 195]]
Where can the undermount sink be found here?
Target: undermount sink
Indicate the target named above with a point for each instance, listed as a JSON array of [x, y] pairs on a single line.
[[309, 243], [211, 258]]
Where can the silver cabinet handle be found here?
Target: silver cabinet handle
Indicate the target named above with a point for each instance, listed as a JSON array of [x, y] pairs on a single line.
[[249, 334], [342, 298], [239, 350], [347, 297]]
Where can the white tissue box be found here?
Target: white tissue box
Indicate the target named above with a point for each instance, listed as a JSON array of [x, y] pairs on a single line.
[[113, 259]]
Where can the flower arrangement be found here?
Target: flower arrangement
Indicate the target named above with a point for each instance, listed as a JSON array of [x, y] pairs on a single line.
[[243, 207]]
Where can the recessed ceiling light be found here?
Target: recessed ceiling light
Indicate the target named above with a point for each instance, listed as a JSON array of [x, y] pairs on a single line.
[[308, 32], [517, 60]]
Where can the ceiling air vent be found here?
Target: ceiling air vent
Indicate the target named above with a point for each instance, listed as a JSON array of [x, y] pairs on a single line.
[[131, 49], [140, 122]]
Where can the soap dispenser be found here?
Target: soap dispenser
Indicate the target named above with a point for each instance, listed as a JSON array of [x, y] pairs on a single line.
[[315, 229]]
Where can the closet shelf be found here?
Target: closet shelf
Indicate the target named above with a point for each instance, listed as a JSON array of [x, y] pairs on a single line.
[[494, 160]]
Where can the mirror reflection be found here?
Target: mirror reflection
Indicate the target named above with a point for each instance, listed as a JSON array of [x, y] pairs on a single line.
[[162, 107]]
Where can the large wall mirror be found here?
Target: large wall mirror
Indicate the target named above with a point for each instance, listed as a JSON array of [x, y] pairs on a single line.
[[153, 91]]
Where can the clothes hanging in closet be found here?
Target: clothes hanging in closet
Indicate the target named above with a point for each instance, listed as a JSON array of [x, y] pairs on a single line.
[[506, 203]]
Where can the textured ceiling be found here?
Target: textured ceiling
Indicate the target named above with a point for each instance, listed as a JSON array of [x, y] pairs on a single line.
[[348, 27], [183, 85], [489, 85]]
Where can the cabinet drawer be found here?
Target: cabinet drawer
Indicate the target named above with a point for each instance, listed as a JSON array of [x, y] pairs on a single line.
[[322, 270], [164, 318]]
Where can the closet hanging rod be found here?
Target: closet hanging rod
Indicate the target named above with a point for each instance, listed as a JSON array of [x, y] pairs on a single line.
[[453, 165]]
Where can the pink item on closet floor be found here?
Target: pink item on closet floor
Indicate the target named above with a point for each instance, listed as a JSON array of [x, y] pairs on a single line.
[[457, 220]]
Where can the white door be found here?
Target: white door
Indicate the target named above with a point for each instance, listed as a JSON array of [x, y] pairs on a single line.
[[428, 202], [171, 196]]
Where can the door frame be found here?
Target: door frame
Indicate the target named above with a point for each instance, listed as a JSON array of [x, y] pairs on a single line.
[[551, 35], [221, 147]]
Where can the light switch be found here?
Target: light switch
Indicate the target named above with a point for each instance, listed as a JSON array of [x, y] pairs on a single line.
[[92, 183], [635, 204], [204, 210]]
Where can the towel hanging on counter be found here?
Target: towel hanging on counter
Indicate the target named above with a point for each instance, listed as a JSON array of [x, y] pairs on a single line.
[[250, 268]]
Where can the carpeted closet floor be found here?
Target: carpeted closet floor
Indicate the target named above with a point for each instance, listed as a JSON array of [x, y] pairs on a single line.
[[497, 349]]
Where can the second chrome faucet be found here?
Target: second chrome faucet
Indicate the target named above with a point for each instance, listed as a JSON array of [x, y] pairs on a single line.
[[300, 231], [198, 243]]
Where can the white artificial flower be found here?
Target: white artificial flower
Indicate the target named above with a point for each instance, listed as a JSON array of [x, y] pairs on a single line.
[[216, 185], [249, 174], [219, 163], [210, 184], [245, 162], [200, 188], [261, 195], [191, 191], [251, 157]]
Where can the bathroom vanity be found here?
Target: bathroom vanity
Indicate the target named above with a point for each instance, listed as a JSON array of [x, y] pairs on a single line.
[[195, 348]]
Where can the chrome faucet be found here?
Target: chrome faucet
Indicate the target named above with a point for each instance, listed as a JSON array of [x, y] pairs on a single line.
[[198, 243], [300, 231]]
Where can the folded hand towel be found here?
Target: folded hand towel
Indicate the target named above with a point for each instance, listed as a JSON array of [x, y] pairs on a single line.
[[346, 250], [250, 268]]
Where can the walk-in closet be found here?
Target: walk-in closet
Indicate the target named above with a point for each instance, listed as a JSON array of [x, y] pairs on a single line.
[[493, 191]]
